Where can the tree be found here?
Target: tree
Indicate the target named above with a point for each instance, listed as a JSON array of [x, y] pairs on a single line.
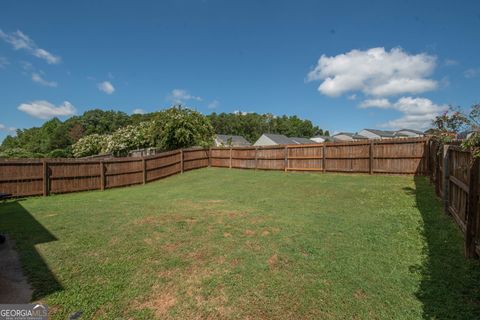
[[89, 145], [447, 125], [102, 122], [180, 127], [129, 138], [253, 125]]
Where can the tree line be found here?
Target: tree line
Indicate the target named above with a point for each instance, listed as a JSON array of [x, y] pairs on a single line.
[[97, 131]]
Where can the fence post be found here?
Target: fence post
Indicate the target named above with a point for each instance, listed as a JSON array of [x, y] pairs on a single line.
[[437, 168], [256, 158], [427, 158], [102, 175], [144, 169], [230, 165], [209, 157], [370, 162], [286, 159], [181, 160], [446, 178], [324, 160], [472, 210], [46, 179]]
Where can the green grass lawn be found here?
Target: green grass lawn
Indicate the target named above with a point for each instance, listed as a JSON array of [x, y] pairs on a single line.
[[238, 244]]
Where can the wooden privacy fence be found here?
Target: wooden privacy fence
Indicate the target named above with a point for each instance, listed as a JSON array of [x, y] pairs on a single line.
[[455, 174], [42, 177], [395, 156]]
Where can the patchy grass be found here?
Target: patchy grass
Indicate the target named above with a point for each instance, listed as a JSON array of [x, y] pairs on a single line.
[[235, 244]]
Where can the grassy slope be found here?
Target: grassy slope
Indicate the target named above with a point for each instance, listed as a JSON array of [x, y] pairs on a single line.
[[225, 243]]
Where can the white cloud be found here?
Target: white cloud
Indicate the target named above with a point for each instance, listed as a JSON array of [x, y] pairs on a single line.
[[21, 41], [3, 62], [375, 103], [214, 104], [40, 80], [471, 73], [374, 72], [180, 96], [418, 113], [352, 97], [139, 111], [107, 87], [7, 129], [45, 110]]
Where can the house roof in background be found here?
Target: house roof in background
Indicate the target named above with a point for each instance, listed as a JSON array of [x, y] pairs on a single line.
[[236, 140], [279, 138], [411, 130], [350, 134], [382, 133], [299, 140]]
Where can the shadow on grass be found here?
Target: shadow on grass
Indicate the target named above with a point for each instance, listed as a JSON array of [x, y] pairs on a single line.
[[26, 231], [450, 285]]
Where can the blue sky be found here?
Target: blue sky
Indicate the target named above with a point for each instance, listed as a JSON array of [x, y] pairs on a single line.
[[345, 65]]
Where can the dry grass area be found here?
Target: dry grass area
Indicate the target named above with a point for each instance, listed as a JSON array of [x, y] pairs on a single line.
[[233, 244]]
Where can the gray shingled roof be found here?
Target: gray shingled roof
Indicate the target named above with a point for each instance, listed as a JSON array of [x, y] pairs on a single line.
[[382, 133], [414, 131], [236, 140], [350, 134], [279, 138], [302, 140]]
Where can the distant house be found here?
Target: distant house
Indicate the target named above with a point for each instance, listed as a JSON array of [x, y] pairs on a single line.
[[222, 140], [270, 139], [298, 140], [377, 134], [320, 139], [348, 136], [409, 133]]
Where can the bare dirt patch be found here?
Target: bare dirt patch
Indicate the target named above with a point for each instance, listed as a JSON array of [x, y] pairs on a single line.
[[273, 261], [234, 262], [235, 214], [275, 230], [227, 234], [146, 220], [249, 233], [265, 233], [170, 247], [160, 302]]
